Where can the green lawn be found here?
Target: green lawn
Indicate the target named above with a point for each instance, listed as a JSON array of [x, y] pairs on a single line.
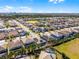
[[33, 22], [70, 49]]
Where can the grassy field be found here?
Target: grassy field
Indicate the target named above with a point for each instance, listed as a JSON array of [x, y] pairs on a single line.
[[70, 49], [32, 22]]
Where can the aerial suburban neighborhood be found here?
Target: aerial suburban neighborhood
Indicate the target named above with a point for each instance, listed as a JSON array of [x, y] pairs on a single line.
[[38, 36], [39, 29]]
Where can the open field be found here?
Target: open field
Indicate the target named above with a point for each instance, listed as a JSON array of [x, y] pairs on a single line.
[[33, 22], [70, 49]]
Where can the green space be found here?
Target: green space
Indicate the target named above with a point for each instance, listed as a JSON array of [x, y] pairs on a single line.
[[32, 21], [70, 49]]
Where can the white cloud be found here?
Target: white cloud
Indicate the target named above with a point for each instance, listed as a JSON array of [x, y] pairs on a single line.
[[22, 9], [6, 8], [56, 1], [40, 11]]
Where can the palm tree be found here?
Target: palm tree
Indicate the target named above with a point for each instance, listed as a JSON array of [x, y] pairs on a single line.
[[23, 48], [11, 55], [23, 45], [8, 38], [32, 48]]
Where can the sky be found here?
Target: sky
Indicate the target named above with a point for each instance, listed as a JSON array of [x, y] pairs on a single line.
[[39, 6]]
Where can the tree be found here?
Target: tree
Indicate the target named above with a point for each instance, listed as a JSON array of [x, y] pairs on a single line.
[[8, 38], [11, 55], [23, 49], [77, 35], [31, 49], [64, 56]]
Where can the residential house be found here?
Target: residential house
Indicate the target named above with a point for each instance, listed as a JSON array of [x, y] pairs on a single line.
[[47, 54]]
